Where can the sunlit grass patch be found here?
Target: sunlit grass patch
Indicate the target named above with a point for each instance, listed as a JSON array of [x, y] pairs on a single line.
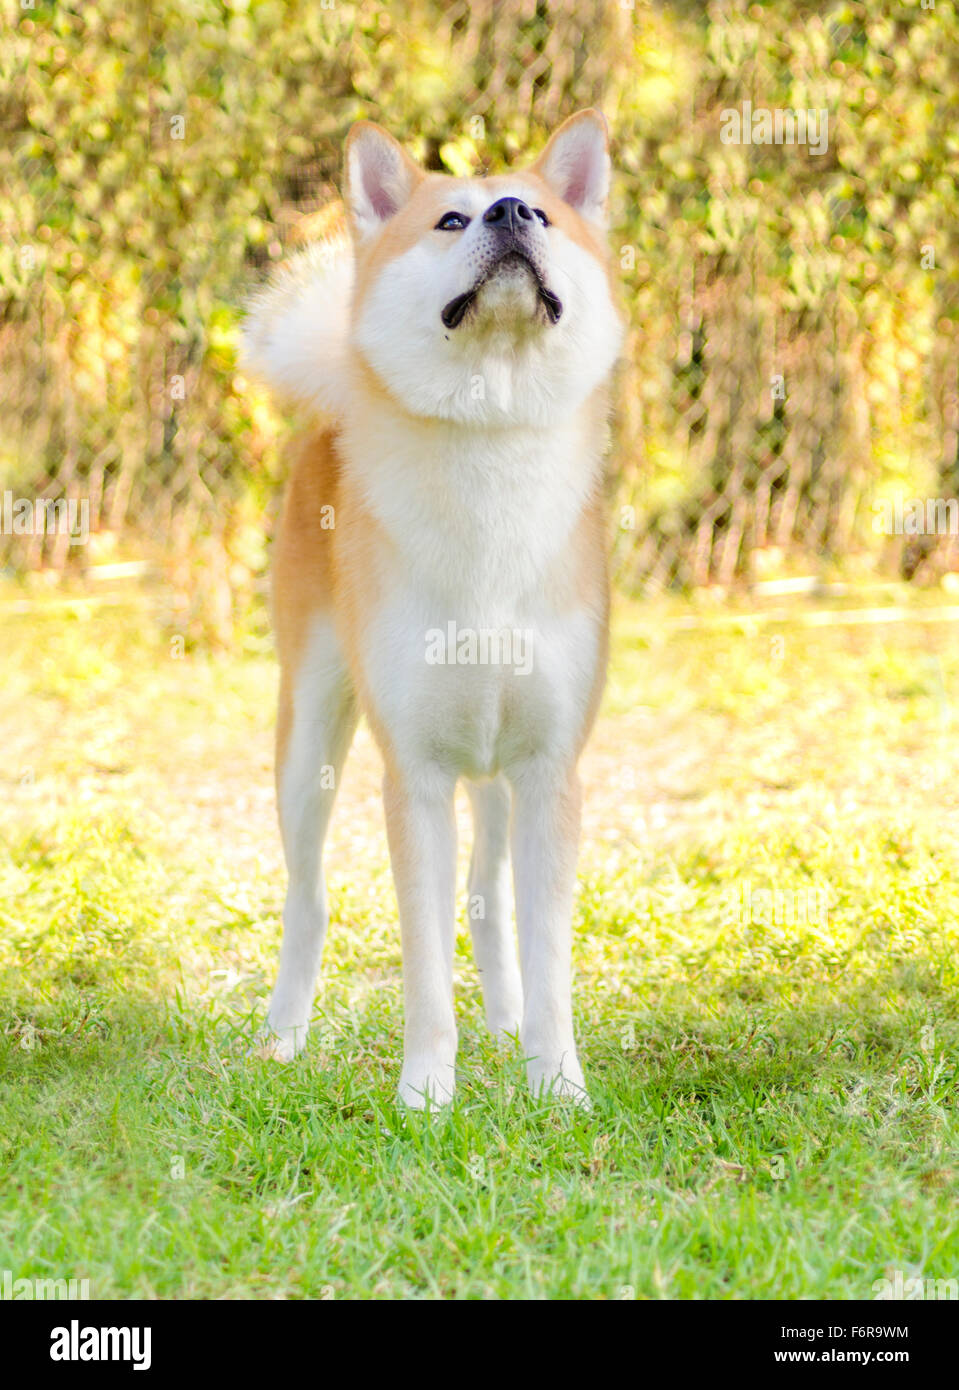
[[766, 963]]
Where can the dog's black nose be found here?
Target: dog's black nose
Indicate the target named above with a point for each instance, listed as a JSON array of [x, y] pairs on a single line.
[[508, 213]]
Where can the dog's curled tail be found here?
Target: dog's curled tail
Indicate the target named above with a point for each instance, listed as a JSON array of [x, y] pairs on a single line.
[[296, 330]]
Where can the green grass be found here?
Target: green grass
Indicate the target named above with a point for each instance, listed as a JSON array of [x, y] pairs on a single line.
[[775, 1104]]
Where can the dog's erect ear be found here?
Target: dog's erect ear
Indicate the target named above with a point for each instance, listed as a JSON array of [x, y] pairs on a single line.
[[575, 164], [380, 176]]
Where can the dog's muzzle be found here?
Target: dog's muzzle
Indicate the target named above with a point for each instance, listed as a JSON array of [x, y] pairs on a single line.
[[454, 312], [510, 228]]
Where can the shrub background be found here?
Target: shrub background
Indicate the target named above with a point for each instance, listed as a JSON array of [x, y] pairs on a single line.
[[155, 159]]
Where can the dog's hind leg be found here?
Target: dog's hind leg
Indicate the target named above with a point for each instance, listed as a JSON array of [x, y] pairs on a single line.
[[490, 906], [318, 714]]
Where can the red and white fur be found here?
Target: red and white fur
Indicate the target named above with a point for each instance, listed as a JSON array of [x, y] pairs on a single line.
[[451, 475]]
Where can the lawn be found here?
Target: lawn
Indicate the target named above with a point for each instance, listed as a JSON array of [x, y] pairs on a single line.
[[767, 976]]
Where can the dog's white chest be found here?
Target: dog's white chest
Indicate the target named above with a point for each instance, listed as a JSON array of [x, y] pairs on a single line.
[[482, 690], [467, 661]]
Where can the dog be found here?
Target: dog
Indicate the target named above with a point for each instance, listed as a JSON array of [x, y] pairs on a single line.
[[440, 566]]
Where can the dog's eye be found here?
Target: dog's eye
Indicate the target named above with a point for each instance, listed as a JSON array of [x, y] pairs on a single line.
[[452, 222], [542, 216]]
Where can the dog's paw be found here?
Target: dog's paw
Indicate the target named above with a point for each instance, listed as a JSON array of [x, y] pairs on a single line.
[[425, 1085], [280, 1044], [562, 1081], [504, 1029]]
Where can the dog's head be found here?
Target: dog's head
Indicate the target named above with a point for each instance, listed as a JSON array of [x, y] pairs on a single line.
[[484, 300]]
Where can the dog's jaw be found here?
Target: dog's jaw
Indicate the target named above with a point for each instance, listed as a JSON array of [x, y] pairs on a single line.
[[514, 278]]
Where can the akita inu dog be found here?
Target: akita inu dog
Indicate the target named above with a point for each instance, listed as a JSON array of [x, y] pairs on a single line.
[[440, 567]]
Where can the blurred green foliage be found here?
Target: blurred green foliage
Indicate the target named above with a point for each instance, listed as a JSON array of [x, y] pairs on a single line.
[[155, 158]]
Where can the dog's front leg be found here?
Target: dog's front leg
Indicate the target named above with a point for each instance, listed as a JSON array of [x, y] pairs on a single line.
[[546, 816], [421, 827]]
